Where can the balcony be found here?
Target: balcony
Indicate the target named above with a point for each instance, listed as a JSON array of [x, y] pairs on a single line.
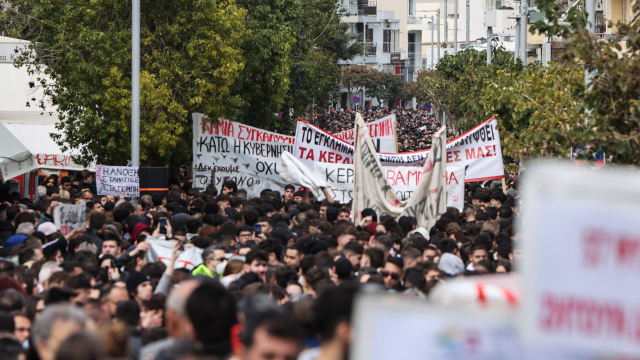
[[370, 49], [367, 8]]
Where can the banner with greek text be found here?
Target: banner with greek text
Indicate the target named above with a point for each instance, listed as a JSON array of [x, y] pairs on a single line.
[[70, 217], [478, 151], [382, 132], [162, 250], [338, 179], [113, 180], [316, 145], [230, 150], [372, 189]]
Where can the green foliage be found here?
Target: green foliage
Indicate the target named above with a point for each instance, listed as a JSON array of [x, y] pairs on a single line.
[[535, 106], [457, 83], [190, 57], [613, 119], [321, 40], [536, 110], [267, 45], [243, 61]]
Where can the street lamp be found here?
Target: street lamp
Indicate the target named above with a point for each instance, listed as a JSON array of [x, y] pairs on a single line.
[[490, 21], [516, 53], [135, 83], [438, 29]]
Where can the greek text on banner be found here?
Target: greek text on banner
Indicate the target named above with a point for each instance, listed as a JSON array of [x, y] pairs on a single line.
[[247, 155], [113, 180], [478, 151]]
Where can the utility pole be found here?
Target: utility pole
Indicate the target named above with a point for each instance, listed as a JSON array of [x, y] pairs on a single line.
[[438, 15], [489, 33], [590, 8], [446, 29], [433, 24], [455, 28], [135, 83], [516, 53], [467, 27], [524, 21], [364, 61]]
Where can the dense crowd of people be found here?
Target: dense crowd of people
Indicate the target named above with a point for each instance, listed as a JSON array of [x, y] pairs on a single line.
[[414, 127], [277, 277]]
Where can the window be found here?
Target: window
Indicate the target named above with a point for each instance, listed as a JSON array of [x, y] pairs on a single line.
[[411, 7], [390, 41]]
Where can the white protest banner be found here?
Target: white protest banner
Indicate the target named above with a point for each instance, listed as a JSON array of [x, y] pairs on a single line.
[[70, 217], [436, 332], [113, 180], [162, 250], [581, 259], [338, 179], [294, 172], [372, 189], [382, 132], [478, 151], [247, 155], [316, 145]]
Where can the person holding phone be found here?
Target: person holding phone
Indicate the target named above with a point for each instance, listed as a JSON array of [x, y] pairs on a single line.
[[163, 230]]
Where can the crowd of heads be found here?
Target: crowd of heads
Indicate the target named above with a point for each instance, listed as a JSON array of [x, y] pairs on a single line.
[[275, 277], [414, 127]]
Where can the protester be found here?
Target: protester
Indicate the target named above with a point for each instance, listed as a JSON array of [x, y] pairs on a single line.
[[414, 127], [272, 276]]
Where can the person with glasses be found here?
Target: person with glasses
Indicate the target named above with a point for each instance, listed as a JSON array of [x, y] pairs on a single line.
[[244, 234], [212, 257], [392, 273]]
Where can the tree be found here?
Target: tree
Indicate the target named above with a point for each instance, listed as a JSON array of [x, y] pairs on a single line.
[[537, 110], [536, 106], [354, 76], [613, 119], [321, 40], [190, 58], [264, 82]]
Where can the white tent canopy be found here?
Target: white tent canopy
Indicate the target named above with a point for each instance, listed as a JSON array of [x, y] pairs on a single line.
[[27, 118], [27, 147]]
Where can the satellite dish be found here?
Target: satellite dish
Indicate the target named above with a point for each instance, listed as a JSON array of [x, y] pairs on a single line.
[[494, 41], [444, 45]]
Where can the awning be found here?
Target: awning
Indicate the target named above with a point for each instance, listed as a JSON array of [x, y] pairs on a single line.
[[27, 147]]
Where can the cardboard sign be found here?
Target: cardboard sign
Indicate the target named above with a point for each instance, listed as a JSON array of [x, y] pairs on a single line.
[[247, 155], [113, 180], [478, 151], [581, 258], [70, 217], [382, 132], [338, 178], [162, 250]]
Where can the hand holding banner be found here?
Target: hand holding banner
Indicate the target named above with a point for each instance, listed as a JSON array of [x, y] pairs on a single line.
[[70, 217]]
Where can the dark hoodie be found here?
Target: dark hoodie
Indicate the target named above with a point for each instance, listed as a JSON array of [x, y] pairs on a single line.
[[6, 230]]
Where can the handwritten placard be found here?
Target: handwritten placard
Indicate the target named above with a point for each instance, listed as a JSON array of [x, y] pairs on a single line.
[[113, 180], [70, 217]]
